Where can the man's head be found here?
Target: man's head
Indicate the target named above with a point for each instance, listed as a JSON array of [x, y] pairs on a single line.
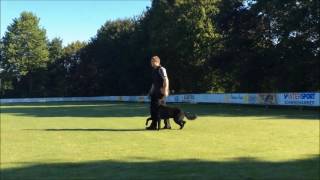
[[155, 61]]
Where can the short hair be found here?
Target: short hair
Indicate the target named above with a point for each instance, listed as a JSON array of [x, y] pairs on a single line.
[[156, 58]]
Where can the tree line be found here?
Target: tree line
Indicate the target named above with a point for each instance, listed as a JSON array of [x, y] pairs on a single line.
[[206, 46]]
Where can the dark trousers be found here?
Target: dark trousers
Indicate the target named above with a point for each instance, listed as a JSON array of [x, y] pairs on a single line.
[[156, 101]]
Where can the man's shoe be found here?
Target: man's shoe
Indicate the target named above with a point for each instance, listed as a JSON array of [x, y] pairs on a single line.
[[167, 127]]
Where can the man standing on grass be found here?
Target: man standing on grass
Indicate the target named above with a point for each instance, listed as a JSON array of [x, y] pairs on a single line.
[[159, 90]]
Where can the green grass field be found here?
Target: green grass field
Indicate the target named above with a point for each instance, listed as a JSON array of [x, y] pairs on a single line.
[[99, 140]]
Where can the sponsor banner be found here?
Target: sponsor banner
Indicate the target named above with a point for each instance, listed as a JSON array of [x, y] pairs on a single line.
[[176, 99], [238, 98], [188, 98], [292, 99], [226, 98], [209, 98], [252, 99], [172, 98], [133, 98], [113, 98], [267, 98], [301, 99]]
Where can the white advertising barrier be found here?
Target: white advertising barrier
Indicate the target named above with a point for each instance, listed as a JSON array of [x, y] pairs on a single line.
[[288, 99], [214, 98], [300, 99]]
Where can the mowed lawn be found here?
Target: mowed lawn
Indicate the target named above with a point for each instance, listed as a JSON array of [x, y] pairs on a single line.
[[101, 140]]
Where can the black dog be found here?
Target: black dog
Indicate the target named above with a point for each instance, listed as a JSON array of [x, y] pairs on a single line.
[[177, 114]]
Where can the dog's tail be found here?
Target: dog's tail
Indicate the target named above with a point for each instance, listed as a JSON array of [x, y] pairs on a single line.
[[147, 121], [190, 115]]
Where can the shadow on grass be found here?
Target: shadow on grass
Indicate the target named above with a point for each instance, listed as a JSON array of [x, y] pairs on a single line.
[[79, 110], [241, 168], [125, 130], [111, 130], [102, 109]]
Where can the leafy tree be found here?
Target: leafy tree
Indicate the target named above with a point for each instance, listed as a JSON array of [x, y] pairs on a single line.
[[55, 49], [55, 75], [70, 63], [294, 30], [183, 35], [25, 48]]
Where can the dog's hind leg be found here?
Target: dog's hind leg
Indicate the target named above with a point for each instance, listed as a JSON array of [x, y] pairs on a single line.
[[179, 120], [182, 124]]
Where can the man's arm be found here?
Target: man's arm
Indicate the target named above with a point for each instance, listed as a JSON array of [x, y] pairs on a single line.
[[165, 86]]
